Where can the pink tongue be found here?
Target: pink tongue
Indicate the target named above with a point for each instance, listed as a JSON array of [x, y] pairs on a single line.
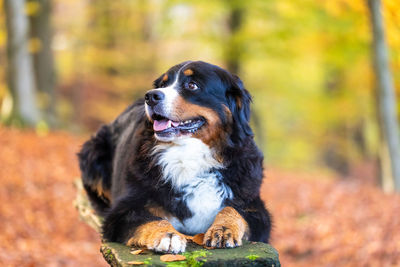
[[164, 124], [161, 125]]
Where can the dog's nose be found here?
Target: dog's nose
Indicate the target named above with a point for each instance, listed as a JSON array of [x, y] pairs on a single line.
[[153, 97]]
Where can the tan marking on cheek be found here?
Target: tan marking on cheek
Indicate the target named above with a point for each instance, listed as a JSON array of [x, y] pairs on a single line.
[[211, 134], [165, 78], [188, 72]]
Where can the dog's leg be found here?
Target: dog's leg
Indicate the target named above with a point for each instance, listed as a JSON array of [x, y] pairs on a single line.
[[95, 161], [228, 230], [159, 236], [133, 223]]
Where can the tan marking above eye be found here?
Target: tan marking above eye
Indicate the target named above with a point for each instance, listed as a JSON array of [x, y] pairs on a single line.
[[188, 72], [165, 78]]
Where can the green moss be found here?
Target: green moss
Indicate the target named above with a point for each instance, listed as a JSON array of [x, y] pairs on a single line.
[[192, 259], [252, 257], [147, 261]]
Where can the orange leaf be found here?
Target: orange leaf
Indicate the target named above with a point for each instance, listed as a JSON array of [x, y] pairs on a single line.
[[198, 239], [172, 257], [138, 251]]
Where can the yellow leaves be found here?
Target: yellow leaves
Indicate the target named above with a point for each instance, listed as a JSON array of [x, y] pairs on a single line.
[[286, 8], [341, 7], [391, 13], [34, 45], [333, 7], [32, 8], [393, 6], [3, 38], [42, 128], [6, 103], [358, 6]]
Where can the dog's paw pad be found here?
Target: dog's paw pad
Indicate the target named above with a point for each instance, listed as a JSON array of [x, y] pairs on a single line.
[[223, 237]]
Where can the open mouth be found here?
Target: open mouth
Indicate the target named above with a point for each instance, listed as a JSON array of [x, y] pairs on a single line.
[[165, 127]]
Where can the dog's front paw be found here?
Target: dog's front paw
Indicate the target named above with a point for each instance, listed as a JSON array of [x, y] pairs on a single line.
[[168, 243], [227, 231], [159, 236], [223, 237]]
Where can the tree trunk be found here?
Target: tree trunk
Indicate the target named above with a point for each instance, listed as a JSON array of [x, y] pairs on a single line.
[[43, 60], [233, 49], [386, 102], [20, 71], [233, 52]]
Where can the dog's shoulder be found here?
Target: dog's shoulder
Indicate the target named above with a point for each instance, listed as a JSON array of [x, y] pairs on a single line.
[[244, 171]]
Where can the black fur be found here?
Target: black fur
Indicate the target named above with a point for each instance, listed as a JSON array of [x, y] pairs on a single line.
[[120, 157], [95, 161], [241, 110]]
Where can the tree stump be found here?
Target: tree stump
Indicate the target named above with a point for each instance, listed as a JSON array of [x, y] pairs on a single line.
[[249, 254]]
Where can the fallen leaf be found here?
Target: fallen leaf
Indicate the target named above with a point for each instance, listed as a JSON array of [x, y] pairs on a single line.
[[172, 257], [136, 252], [198, 239], [135, 262]]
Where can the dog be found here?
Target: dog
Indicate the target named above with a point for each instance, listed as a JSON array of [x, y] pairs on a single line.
[[180, 162]]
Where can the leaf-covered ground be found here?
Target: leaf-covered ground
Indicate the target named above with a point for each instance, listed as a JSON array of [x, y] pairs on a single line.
[[318, 222]]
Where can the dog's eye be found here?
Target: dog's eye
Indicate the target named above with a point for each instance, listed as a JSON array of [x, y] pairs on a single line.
[[191, 86]]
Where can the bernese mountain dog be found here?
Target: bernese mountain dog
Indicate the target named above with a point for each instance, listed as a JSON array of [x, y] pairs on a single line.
[[179, 162]]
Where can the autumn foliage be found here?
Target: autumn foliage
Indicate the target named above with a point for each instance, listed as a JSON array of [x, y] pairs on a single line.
[[318, 222], [39, 225]]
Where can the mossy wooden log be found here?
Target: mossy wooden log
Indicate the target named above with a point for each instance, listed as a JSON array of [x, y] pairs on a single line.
[[250, 254]]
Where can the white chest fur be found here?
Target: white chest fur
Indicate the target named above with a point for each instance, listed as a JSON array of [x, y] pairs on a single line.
[[191, 168]]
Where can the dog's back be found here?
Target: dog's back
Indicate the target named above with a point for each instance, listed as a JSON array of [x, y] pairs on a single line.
[[96, 158]]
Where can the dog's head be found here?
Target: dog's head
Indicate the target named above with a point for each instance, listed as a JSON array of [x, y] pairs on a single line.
[[201, 100]]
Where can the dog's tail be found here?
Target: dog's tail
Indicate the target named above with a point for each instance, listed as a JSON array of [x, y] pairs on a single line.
[[95, 162]]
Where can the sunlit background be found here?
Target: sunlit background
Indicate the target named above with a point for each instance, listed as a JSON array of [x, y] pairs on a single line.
[[308, 65]]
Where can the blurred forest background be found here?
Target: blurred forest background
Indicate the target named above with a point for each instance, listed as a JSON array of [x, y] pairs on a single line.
[[308, 64]]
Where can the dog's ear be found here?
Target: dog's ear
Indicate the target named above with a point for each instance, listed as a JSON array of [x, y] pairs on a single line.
[[239, 101]]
